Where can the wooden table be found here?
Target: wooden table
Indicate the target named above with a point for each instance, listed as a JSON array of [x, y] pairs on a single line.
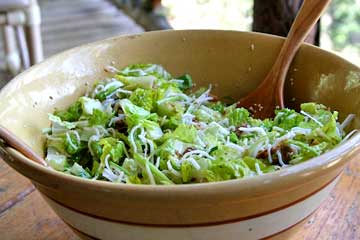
[[25, 215]]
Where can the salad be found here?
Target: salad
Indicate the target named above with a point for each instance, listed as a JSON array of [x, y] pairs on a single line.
[[144, 126]]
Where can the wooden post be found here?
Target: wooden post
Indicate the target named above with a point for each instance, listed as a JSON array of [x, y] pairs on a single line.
[[276, 17]]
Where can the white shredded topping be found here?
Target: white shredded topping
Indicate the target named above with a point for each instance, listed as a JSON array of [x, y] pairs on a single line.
[[235, 146], [232, 128], [176, 80], [278, 153], [97, 89], [132, 137], [107, 173], [204, 97], [113, 84], [200, 125], [51, 137], [119, 90], [151, 146], [194, 163], [172, 170], [304, 131], [221, 129], [200, 153], [279, 129], [174, 96], [187, 118], [107, 162], [256, 151], [312, 118], [258, 170], [150, 175], [157, 163], [269, 153], [259, 130], [68, 139], [115, 119], [287, 136]]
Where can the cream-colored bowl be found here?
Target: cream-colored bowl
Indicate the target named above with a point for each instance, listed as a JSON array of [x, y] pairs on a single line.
[[234, 62]]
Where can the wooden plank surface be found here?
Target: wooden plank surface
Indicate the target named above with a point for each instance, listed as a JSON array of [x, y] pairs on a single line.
[[23, 212]]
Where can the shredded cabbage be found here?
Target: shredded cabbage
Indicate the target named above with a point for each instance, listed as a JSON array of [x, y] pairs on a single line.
[[143, 126]]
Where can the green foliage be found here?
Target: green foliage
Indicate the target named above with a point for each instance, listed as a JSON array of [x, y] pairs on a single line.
[[345, 24]]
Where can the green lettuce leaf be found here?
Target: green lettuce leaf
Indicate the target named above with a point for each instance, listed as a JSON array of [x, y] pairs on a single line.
[[184, 133], [226, 170], [238, 116], [89, 104], [56, 160], [99, 118], [287, 119], [133, 113], [137, 70], [79, 171], [109, 88], [112, 147], [144, 98], [153, 129], [72, 114], [187, 82], [159, 176]]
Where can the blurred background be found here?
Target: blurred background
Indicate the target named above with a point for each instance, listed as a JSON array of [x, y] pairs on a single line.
[[339, 30], [34, 29]]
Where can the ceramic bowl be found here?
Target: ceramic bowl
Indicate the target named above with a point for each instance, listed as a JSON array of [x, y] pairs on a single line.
[[234, 63]]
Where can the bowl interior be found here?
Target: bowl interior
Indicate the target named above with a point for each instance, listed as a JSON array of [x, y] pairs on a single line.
[[233, 62]]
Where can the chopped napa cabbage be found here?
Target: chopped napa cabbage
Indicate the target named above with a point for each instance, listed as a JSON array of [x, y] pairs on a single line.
[[99, 117], [153, 129], [185, 82], [89, 104], [145, 82], [287, 118], [73, 113], [238, 116], [113, 148], [59, 123], [144, 98], [185, 133], [142, 126], [79, 171], [205, 114], [108, 90], [56, 160], [137, 70], [133, 113]]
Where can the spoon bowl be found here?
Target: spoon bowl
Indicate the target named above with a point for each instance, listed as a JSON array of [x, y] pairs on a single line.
[[269, 95]]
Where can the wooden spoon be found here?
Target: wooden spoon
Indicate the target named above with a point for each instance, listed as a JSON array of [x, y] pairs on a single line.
[[270, 93], [11, 140]]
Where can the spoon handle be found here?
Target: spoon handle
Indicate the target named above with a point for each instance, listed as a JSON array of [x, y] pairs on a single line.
[[14, 142], [307, 17]]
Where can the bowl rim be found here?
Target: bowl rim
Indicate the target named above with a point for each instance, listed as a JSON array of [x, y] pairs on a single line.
[[305, 170]]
